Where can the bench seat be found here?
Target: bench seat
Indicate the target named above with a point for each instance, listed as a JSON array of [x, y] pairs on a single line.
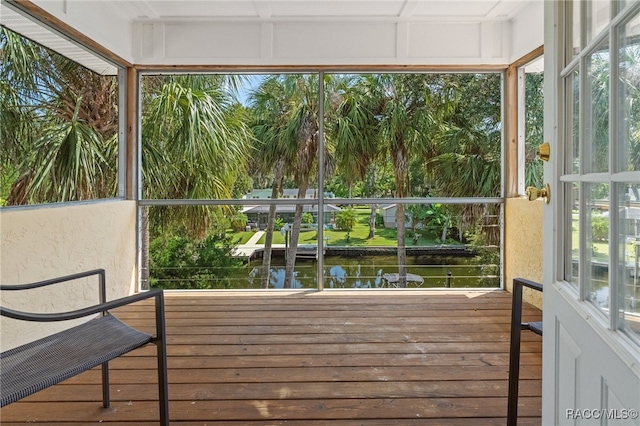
[[45, 362]]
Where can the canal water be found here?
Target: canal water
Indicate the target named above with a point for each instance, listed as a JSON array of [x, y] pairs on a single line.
[[368, 272]]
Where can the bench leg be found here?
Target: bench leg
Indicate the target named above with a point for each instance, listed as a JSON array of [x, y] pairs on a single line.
[[163, 391], [106, 402], [163, 388], [514, 355]]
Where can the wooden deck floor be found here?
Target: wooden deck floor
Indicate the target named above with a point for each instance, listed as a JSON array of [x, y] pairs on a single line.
[[344, 358]]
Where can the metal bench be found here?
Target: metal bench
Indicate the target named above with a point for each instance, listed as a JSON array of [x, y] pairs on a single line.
[[34, 366], [514, 350]]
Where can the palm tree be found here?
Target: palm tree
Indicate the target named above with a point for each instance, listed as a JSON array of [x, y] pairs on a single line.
[[59, 125], [534, 134], [267, 102], [405, 126], [354, 132], [194, 146], [630, 85], [292, 139], [466, 159]]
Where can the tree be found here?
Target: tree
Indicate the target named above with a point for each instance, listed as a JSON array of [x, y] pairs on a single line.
[[416, 214], [271, 153], [534, 135], [194, 146], [346, 219], [58, 124], [630, 87], [268, 102], [405, 124], [291, 138], [466, 158], [355, 133]]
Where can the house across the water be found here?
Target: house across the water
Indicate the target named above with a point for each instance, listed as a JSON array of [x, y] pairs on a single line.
[[260, 213]]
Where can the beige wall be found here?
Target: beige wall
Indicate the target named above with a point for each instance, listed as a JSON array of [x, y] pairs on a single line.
[[44, 242], [523, 244]]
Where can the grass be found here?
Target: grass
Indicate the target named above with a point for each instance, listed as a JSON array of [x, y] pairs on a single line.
[[384, 237], [600, 249], [240, 237]]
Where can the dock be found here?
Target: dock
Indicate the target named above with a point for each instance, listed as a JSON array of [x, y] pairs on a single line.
[[393, 279]]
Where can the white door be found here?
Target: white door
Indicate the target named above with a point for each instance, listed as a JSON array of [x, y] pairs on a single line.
[[591, 346]]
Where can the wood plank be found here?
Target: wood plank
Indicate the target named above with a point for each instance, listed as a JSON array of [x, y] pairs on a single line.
[[293, 315], [348, 348], [315, 374], [315, 390], [182, 319], [318, 339], [131, 135], [202, 328], [339, 68], [295, 409], [453, 307], [135, 361], [478, 421]]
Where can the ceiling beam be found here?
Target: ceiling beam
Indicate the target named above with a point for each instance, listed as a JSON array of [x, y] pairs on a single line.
[[263, 8], [407, 8], [381, 68], [55, 24]]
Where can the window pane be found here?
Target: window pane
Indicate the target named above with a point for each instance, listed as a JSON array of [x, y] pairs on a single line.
[[597, 249], [572, 234], [597, 17], [445, 245], [597, 125], [228, 246], [629, 125], [575, 28], [224, 247], [573, 123], [533, 123], [630, 259], [59, 125], [386, 142], [255, 140], [229, 136]]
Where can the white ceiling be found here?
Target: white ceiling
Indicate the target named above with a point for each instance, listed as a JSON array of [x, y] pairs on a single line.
[[321, 9], [129, 12], [54, 41]]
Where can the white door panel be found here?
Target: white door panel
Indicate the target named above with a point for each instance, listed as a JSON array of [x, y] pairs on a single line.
[[591, 342], [591, 381]]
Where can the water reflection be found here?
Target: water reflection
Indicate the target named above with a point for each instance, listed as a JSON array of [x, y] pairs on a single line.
[[368, 272]]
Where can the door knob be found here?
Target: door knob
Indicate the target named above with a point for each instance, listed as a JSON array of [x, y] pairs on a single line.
[[534, 193], [544, 151]]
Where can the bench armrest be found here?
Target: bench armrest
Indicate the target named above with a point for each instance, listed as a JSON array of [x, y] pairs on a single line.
[[102, 287], [64, 316]]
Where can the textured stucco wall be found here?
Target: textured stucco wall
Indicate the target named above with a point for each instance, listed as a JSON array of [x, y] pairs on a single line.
[[523, 244], [43, 242]]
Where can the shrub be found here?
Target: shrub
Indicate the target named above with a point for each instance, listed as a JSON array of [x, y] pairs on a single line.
[[346, 219], [239, 222], [599, 227], [178, 262], [307, 217]]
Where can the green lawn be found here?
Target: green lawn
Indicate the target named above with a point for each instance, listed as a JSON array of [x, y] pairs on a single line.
[[358, 235], [239, 237], [600, 248]]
